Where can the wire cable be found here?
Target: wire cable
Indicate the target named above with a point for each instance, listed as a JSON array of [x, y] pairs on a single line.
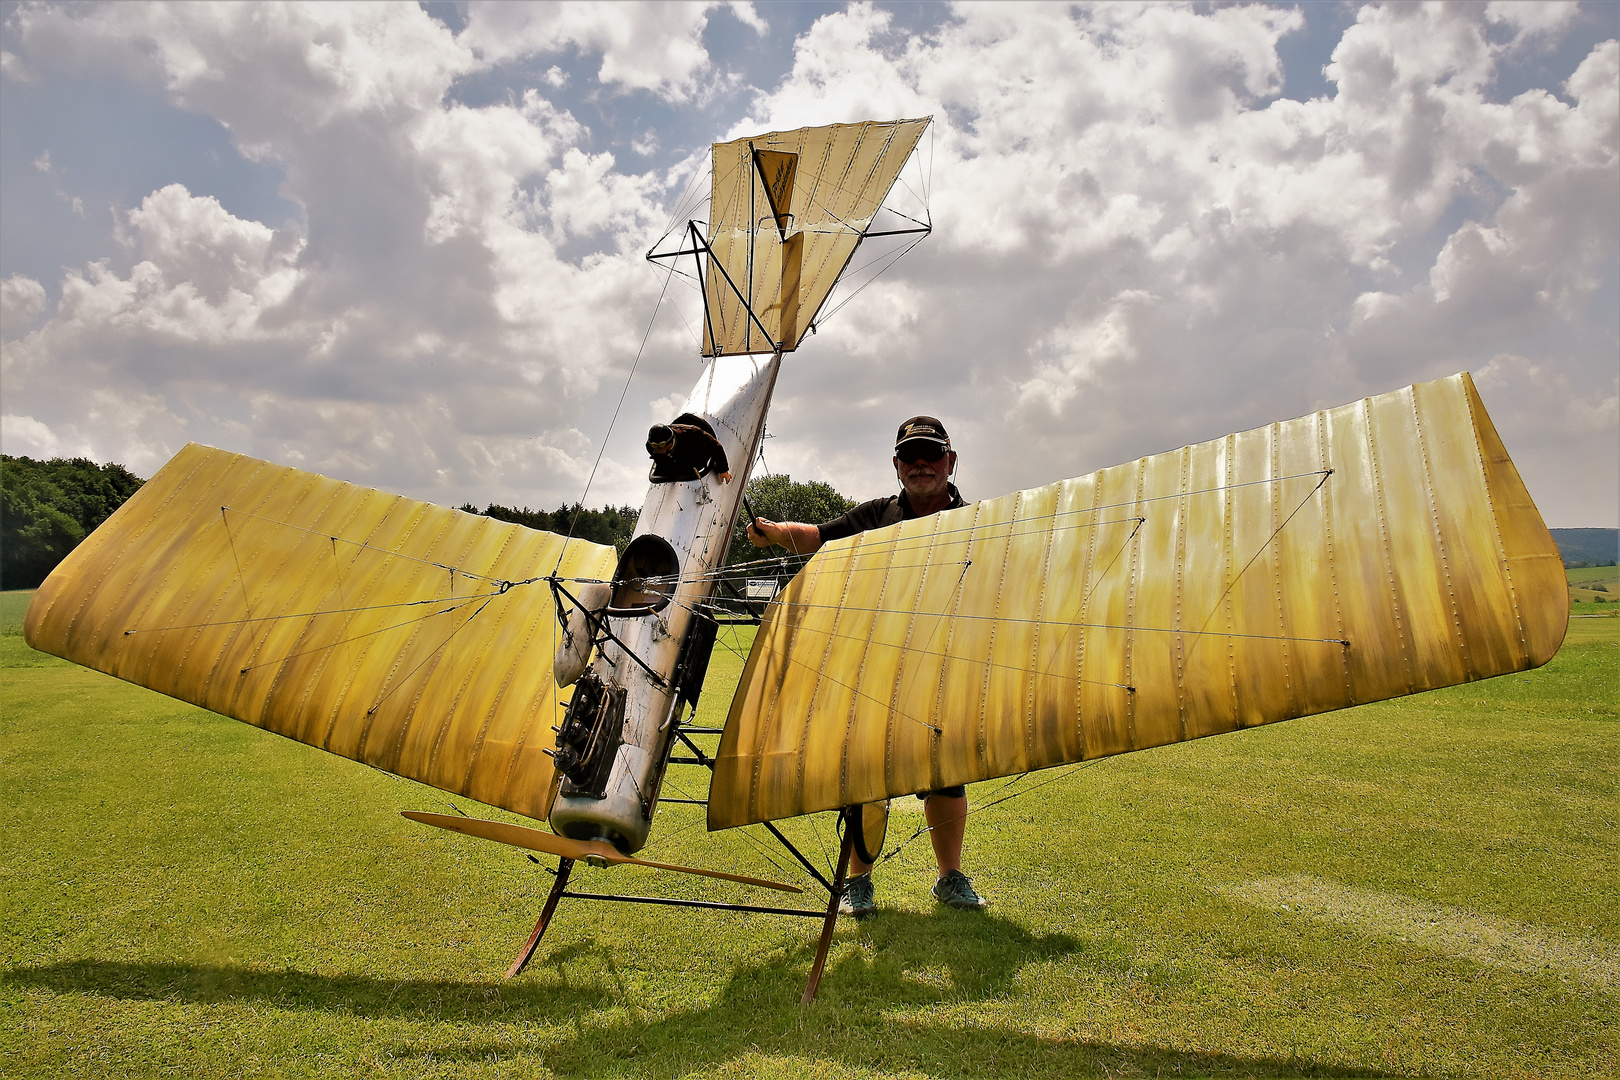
[[615, 419]]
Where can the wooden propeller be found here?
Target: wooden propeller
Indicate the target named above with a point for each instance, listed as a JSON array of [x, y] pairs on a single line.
[[594, 852]]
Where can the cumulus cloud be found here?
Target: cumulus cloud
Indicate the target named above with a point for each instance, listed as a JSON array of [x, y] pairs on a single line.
[[1526, 389], [194, 241], [27, 437], [644, 44], [1544, 256], [136, 430], [426, 332], [1532, 20], [1138, 242], [22, 300]]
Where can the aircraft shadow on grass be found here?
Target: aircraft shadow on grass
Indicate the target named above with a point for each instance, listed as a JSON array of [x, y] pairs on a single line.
[[900, 962], [353, 995], [903, 961]]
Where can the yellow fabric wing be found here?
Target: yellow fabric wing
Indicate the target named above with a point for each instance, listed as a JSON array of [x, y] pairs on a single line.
[[784, 265], [380, 628], [1356, 554]]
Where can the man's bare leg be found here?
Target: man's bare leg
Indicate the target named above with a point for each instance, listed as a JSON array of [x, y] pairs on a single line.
[[947, 823], [947, 818]]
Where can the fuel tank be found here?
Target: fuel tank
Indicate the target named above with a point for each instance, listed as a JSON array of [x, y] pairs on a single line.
[[682, 534]]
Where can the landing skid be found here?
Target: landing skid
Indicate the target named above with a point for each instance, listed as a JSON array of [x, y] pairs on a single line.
[[565, 866], [829, 917]]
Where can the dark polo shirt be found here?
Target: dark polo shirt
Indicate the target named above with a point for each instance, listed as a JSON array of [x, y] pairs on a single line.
[[876, 513]]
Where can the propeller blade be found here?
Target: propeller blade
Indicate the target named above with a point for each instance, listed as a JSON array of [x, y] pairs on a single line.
[[595, 852]]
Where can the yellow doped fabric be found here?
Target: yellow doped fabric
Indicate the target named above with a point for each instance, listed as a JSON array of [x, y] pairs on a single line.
[[1356, 554], [377, 627], [784, 266]]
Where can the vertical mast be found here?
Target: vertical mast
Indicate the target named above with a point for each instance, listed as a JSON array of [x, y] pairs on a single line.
[[753, 221]]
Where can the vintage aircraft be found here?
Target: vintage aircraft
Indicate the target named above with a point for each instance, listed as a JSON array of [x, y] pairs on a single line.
[[1355, 554]]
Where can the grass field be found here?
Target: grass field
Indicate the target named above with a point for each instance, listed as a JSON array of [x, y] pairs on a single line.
[[1425, 887], [1593, 587]]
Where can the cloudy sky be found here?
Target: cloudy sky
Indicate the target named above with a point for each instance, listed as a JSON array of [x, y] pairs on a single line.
[[404, 244]]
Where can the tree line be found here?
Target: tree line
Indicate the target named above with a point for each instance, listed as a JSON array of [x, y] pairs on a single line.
[[47, 507], [610, 525], [779, 498]]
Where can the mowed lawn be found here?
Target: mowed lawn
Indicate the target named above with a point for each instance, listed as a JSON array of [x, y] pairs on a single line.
[[1425, 887]]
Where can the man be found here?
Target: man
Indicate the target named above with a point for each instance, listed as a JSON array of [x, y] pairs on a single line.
[[924, 462], [685, 449]]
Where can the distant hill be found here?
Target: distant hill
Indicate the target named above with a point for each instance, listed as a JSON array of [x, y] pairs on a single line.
[[1587, 547]]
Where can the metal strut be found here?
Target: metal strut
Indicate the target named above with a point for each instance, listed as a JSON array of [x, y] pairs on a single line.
[[600, 626], [829, 916], [699, 242]]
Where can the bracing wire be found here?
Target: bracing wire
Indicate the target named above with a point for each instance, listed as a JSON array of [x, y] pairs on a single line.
[[940, 619], [313, 614], [616, 408], [852, 688], [822, 319], [821, 841], [901, 180], [1325, 474], [240, 579], [1000, 530], [683, 206], [941, 655], [445, 645], [369, 633], [692, 280], [765, 850], [1066, 625], [799, 605], [924, 829], [362, 544], [926, 178]]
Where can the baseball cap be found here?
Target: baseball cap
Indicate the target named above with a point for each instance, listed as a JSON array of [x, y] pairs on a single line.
[[922, 429]]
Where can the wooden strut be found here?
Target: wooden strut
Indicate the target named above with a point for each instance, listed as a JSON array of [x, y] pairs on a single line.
[[836, 897], [564, 867]]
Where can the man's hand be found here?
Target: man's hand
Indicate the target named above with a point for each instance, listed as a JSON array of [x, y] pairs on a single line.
[[725, 478], [760, 537], [797, 537]]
